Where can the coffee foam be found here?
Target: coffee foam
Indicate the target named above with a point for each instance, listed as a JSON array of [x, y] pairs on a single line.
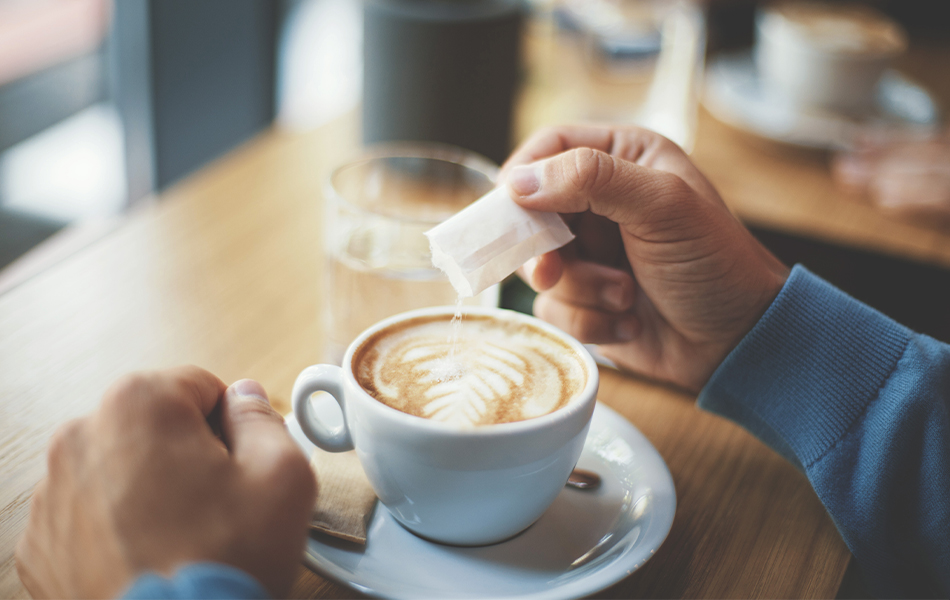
[[501, 371], [845, 28]]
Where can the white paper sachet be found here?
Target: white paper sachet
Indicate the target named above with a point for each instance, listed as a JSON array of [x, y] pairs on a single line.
[[490, 239]]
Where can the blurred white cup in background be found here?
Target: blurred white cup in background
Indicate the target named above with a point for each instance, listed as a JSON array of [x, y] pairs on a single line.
[[825, 56]]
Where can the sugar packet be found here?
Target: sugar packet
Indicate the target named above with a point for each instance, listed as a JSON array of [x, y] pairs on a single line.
[[489, 239]]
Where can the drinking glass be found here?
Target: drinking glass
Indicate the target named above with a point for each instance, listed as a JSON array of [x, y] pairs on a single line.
[[378, 208]]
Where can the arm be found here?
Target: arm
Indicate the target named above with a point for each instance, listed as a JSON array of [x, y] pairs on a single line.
[[670, 285], [862, 405], [174, 468]]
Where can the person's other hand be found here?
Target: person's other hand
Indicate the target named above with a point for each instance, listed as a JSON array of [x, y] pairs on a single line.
[[910, 178], [144, 484], [661, 274]]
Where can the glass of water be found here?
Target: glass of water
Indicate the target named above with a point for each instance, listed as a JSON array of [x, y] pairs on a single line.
[[378, 208]]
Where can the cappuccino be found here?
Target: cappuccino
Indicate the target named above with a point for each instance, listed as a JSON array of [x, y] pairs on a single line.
[[495, 370]]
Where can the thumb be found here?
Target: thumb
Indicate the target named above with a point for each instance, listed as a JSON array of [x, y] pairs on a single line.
[[253, 431], [584, 179]]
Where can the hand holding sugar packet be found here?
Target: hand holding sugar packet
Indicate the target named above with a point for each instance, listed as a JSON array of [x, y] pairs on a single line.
[[490, 239]]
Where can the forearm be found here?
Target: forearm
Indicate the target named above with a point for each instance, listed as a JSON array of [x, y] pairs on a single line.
[[860, 404]]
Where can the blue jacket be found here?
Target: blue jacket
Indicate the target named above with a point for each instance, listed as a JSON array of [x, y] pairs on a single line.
[[856, 401], [861, 404], [199, 580]]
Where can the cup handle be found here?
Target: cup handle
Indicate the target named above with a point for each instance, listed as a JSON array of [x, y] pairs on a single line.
[[321, 378]]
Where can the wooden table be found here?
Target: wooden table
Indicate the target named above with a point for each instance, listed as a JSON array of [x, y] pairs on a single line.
[[225, 272]]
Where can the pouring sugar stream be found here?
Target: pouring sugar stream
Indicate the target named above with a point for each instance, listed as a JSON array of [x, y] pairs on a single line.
[[484, 243]]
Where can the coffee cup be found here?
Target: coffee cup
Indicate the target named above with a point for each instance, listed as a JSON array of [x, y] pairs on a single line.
[[817, 55], [487, 467]]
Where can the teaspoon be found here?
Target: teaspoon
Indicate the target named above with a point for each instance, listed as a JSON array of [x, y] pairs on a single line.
[[583, 480]]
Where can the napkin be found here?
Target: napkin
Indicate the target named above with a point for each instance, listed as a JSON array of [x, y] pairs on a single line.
[[489, 239], [345, 500]]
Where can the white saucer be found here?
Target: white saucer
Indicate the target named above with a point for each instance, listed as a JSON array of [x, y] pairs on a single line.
[[734, 95], [585, 542]]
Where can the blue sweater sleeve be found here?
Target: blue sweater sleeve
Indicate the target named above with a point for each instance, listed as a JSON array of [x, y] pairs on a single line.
[[199, 580], [861, 405]]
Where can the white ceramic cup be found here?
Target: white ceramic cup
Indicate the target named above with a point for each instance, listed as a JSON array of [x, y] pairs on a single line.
[[462, 487], [816, 56]]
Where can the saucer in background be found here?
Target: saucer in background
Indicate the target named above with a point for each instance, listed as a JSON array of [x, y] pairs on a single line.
[[735, 95]]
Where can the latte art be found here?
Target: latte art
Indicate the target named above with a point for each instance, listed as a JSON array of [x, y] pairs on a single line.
[[500, 371]]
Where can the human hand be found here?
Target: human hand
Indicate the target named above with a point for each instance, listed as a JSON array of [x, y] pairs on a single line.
[[661, 274], [910, 178], [145, 484]]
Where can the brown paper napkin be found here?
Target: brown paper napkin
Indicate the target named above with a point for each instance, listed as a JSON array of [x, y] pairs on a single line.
[[345, 500]]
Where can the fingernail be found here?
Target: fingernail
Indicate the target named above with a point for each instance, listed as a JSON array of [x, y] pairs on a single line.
[[612, 296], [625, 331], [247, 388], [524, 180]]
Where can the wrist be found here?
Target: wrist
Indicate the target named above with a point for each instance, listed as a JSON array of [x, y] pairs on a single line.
[[766, 288], [774, 275], [815, 347]]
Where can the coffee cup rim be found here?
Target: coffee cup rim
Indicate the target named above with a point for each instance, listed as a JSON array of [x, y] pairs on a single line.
[[581, 402], [767, 20]]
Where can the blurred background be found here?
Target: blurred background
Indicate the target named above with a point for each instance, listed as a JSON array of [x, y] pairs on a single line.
[[104, 104]]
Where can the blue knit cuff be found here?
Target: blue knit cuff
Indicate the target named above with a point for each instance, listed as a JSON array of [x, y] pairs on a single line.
[[808, 369], [199, 580]]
